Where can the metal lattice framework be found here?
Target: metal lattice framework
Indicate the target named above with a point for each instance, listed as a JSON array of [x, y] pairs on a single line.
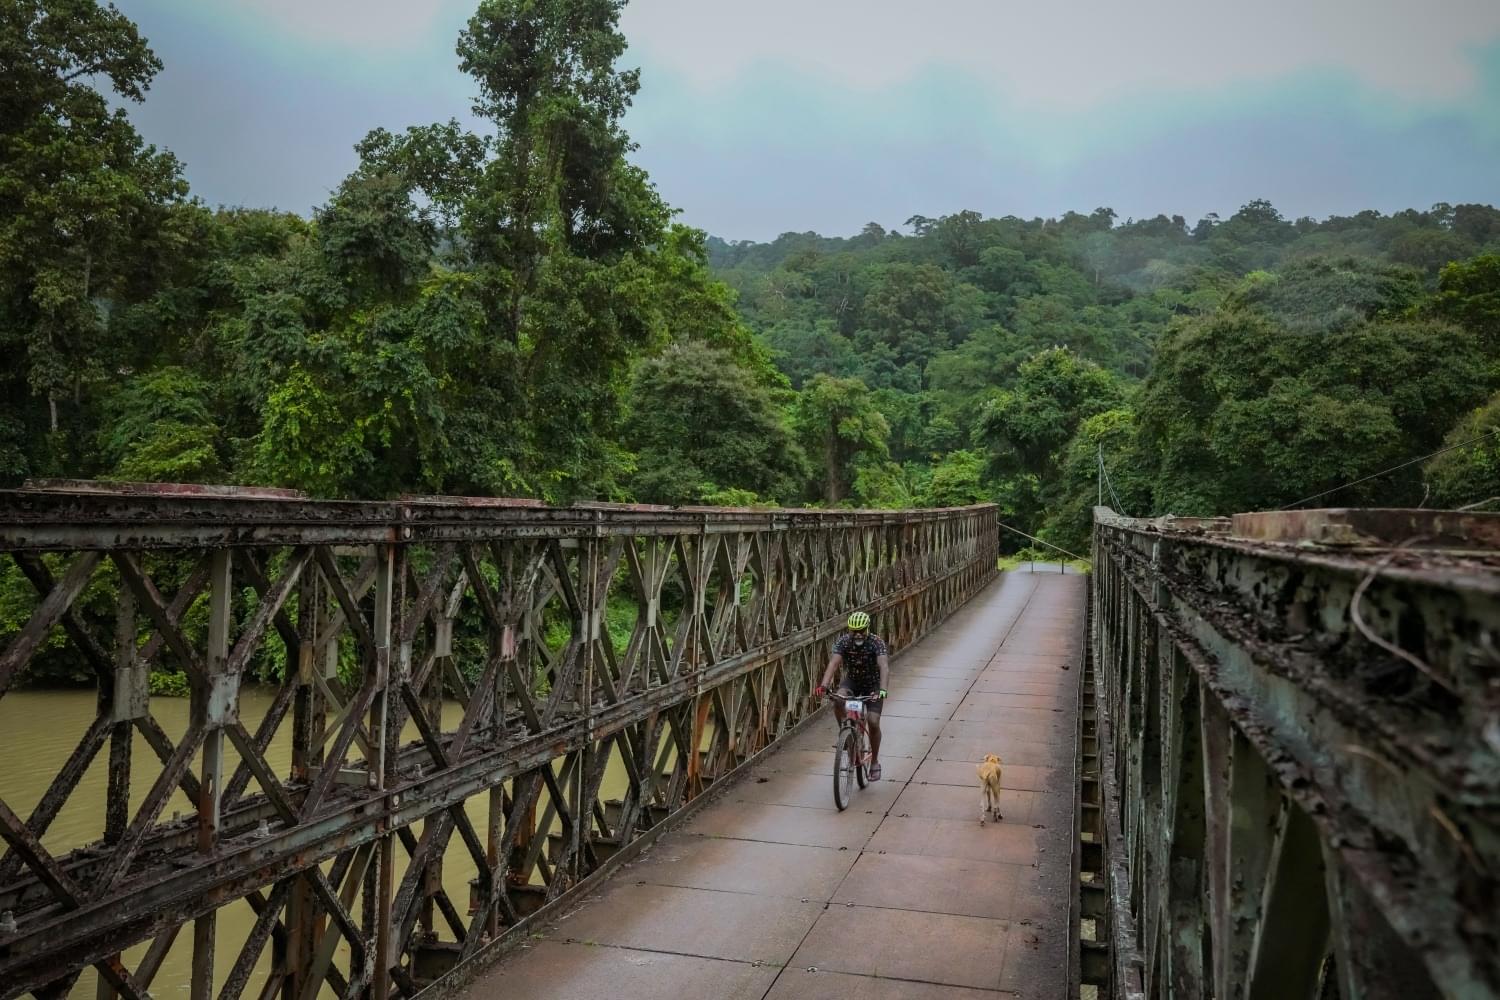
[[672, 643], [1299, 753]]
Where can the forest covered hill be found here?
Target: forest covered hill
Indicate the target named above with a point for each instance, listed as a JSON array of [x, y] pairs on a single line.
[[1231, 364]]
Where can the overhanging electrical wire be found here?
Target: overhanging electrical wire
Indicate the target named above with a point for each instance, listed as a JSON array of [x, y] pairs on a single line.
[[1104, 477], [1119, 507], [1395, 468]]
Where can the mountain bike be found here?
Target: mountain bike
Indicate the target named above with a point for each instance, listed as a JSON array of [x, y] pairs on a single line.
[[851, 754]]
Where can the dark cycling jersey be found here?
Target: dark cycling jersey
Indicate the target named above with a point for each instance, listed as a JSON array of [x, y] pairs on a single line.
[[861, 661]]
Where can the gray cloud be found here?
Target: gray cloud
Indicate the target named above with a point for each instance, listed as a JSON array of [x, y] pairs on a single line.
[[265, 112]]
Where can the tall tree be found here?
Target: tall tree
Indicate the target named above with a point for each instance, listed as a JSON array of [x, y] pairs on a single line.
[[356, 354], [841, 427], [558, 235], [1468, 470], [1055, 390], [1028, 426], [82, 200], [699, 424], [1469, 293], [957, 480]]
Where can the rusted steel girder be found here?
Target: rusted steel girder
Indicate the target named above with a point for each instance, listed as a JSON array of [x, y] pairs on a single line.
[[669, 644], [1299, 733]]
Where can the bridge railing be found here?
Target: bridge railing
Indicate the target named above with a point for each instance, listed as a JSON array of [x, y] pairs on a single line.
[[448, 682], [1298, 722]]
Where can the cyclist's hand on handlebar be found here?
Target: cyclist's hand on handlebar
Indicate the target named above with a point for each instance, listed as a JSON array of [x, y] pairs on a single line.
[[820, 691], [882, 693]]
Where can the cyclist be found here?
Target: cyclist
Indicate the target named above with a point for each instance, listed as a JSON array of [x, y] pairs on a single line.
[[867, 668]]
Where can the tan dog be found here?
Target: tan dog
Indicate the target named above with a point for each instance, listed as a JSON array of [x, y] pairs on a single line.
[[989, 784]]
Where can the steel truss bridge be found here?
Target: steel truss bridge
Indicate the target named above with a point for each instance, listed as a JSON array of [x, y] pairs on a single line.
[[370, 615], [1283, 742]]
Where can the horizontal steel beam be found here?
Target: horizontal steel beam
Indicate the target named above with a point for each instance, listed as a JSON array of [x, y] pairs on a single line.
[[54, 521]]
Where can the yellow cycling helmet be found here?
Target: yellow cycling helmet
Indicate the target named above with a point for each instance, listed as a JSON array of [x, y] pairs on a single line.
[[859, 621]]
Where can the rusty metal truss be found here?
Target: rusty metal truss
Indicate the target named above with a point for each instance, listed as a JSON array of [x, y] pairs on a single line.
[[1298, 722], [671, 643]]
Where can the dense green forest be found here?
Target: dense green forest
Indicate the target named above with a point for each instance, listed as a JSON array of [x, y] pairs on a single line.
[[514, 311], [1234, 364]]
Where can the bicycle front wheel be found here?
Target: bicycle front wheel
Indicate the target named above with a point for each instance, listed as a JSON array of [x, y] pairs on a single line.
[[861, 759], [845, 763]]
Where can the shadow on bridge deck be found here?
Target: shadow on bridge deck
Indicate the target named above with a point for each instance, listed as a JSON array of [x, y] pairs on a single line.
[[772, 893]]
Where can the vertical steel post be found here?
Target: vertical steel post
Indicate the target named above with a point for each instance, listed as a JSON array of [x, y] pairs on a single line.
[[126, 701], [387, 582], [214, 703], [431, 698], [593, 634], [302, 922]]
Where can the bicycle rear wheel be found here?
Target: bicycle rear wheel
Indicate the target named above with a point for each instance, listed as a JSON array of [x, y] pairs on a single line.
[[861, 755], [845, 763]]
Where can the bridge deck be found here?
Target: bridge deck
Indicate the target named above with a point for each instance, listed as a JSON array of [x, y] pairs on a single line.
[[771, 893]]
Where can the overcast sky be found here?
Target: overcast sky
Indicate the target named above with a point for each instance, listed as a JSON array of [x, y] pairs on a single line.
[[756, 117]]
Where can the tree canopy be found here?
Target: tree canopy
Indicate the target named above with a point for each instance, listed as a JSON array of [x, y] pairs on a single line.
[[87, 212], [510, 308], [1236, 364], [701, 425]]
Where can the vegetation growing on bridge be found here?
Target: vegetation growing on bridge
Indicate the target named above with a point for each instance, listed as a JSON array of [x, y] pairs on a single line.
[[514, 312]]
